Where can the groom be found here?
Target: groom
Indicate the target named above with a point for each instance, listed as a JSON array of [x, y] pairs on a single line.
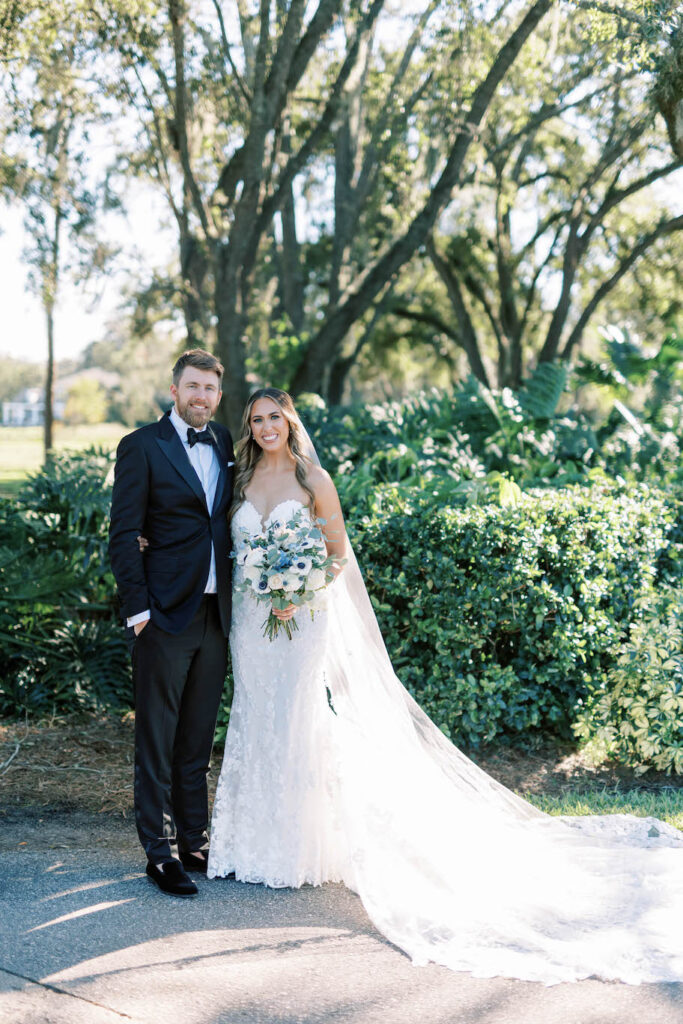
[[173, 486]]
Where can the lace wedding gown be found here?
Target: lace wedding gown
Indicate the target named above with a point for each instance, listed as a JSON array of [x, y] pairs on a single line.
[[333, 773]]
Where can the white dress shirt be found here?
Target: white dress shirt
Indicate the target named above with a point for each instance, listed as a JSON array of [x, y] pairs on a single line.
[[204, 460]]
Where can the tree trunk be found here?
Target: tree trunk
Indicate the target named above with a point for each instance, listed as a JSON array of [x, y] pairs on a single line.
[[193, 269], [49, 383], [50, 287], [467, 336], [230, 327], [290, 274]]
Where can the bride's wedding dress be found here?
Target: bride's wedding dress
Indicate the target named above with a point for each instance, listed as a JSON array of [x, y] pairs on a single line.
[[333, 773]]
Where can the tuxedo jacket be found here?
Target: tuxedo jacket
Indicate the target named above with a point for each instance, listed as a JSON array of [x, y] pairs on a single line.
[[158, 494]]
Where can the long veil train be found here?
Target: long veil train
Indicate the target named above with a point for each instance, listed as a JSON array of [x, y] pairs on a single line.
[[455, 869]]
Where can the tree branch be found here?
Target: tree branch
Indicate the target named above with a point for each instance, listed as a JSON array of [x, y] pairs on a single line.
[[668, 227], [611, 9], [160, 150], [468, 335], [615, 196], [228, 54], [177, 14]]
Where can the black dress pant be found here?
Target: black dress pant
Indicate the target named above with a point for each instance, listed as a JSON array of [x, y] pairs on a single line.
[[178, 681]]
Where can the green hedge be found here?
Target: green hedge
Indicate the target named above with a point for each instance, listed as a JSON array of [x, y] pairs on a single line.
[[637, 716], [501, 621]]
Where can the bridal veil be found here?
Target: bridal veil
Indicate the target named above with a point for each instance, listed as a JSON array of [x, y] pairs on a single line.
[[455, 869]]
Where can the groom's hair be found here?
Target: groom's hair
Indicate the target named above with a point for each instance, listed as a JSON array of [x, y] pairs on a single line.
[[201, 360]]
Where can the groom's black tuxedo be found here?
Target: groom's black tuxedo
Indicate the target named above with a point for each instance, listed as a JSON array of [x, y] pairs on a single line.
[[158, 494], [180, 656]]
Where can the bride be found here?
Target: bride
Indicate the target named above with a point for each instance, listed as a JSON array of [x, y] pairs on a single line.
[[332, 773]]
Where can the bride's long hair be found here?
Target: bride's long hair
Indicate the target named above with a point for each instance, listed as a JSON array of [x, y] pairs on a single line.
[[248, 453]]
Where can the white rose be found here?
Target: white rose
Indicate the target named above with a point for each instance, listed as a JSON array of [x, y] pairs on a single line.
[[254, 556], [316, 579], [252, 573], [276, 581]]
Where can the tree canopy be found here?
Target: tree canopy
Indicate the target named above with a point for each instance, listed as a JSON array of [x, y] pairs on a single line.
[[341, 174]]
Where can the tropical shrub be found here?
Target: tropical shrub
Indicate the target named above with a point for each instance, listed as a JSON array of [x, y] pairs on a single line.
[[636, 717], [460, 446], [61, 644]]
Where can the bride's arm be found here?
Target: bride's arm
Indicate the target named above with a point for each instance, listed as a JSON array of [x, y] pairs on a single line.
[[328, 508]]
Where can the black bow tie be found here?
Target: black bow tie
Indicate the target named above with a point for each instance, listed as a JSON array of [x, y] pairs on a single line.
[[196, 436]]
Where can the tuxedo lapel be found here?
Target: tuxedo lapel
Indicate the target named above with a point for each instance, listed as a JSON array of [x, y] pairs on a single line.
[[173, 449]]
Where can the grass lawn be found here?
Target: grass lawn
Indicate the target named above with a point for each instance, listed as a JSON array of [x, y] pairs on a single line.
[[664, 803], [21, 448]]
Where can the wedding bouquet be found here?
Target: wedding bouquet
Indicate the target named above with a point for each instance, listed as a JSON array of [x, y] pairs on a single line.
[[287, 564]]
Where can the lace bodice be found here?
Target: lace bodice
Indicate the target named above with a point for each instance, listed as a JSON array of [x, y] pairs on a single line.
[[247, 519]]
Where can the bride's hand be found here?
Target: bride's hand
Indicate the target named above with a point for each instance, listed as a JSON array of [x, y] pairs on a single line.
[[285, 613], [142, 543]]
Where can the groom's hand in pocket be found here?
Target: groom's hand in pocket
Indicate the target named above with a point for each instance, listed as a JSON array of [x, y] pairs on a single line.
[[142, 544]]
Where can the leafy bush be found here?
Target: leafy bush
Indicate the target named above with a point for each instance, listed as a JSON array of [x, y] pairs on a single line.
[[637, 717], [500, 621], [61, 644]]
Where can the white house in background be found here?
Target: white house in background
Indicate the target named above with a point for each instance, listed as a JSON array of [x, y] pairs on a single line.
[[26, 410]]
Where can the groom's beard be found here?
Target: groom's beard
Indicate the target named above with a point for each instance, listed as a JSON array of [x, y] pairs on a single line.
[[195, 417]]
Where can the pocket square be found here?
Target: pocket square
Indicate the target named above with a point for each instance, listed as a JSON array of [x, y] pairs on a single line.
[[230, 464]]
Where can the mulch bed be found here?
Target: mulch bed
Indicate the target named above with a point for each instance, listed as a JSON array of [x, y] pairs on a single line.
[[67, 783], [86, 764]]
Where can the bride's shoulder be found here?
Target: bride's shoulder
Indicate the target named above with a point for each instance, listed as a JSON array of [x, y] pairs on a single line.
[[327, 505], [320, 481]]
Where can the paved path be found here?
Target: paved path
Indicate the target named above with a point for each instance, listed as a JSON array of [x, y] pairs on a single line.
[[85, 938]]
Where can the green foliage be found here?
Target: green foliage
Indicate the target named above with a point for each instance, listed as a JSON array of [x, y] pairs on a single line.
[[71, 497], [61, 645], [636, 717], [277, 355], [86, 402], [462, 447], [15, 375], [223, 719], [642, 437], [501, 620], [541, 393]]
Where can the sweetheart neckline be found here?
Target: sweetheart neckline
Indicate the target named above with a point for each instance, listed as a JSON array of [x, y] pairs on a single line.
[[263, 520]]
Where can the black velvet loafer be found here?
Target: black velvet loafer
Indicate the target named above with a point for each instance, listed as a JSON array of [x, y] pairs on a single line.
[[195, 860], [171, 878]]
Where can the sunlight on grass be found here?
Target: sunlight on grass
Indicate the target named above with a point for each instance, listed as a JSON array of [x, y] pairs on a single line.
[[666, 804], [21, 448]]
